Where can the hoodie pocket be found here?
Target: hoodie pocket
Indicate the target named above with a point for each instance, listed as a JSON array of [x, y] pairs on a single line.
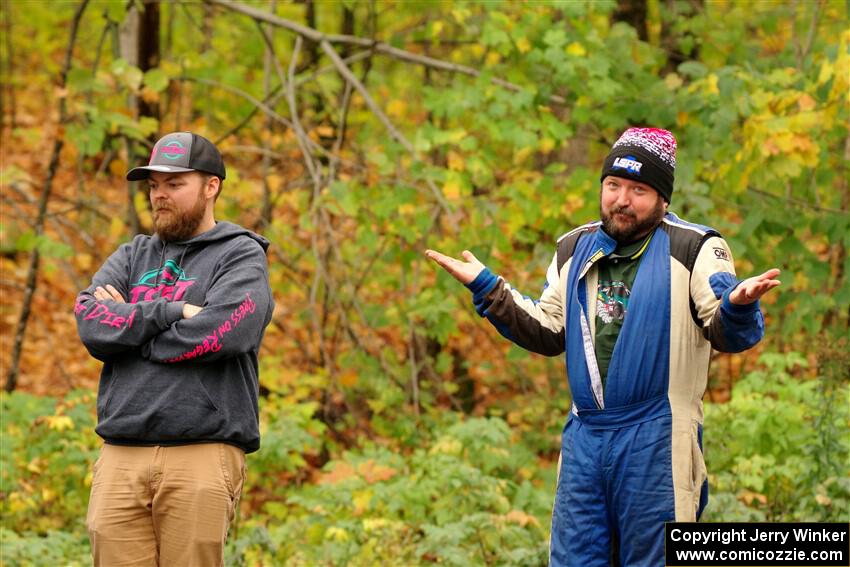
[[207, 395], [108, 386]]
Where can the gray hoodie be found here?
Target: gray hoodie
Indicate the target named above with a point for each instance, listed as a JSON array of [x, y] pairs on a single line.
[[168, 380]]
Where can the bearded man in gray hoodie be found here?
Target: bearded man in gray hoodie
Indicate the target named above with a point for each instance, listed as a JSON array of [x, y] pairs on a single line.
[[177, 319]]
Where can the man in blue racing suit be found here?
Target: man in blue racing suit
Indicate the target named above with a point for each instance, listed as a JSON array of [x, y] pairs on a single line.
[[637, 300]]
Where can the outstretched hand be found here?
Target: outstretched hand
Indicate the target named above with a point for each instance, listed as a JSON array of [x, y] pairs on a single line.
[[464, 272], [752, 289]]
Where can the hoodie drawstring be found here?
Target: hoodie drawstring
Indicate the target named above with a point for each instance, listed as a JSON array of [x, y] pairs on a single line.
[[162, 265]]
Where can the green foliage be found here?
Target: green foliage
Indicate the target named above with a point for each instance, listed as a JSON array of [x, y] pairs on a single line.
[[366, 458], [778, 451], [46, 456], [465, 498], [48, 550]]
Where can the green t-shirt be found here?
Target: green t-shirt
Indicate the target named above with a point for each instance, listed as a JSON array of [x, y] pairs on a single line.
[[616, 277]]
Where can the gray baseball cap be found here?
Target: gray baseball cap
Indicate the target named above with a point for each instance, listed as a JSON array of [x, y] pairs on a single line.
[[178, 152]]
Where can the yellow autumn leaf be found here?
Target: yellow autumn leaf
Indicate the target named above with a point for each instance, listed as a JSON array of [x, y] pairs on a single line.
[[826, 71], [396, 108], [372, 524], [17, 504], [576, 49], [436, 28], [711, 84], [47, 495], [451, 189], [361, 500], [116, 227], [34, 466], [349, 377], [460, 14], [521, 154], [806, 102], [275, 182], [59, 422], [448, 446], [546, 145], [149, 95], [523, 45], [83, 261], [785, 142], [673, 81], [521, 518], [750, 497], [337, 534], [118, 167], [456, 161]]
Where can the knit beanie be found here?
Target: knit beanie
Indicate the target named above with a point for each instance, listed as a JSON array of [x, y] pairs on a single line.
[[647, 155]]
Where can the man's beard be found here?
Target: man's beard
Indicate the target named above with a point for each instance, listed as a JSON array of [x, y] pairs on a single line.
[[174, 226], [630, 232]]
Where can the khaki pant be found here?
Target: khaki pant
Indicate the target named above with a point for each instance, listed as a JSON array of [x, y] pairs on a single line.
[[163, 506]]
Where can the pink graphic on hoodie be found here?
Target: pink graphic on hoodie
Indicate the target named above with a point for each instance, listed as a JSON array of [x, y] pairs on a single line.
[[169, 282]]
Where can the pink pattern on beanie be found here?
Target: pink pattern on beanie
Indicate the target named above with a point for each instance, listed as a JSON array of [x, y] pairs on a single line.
[[660, 143]]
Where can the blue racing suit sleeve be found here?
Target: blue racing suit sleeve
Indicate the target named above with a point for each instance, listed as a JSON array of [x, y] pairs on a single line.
[[535, 325], [729, 327]]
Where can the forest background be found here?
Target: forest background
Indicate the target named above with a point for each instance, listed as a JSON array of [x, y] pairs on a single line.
[[398, 428]]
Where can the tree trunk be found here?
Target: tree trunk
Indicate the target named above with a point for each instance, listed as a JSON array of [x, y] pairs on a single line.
[[32, 274], [147, 49], [140, 47], [346, 28], [8, 105], [632, 12]]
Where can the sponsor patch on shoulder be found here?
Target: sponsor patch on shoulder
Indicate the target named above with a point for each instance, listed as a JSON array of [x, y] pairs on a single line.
[[721, 254]]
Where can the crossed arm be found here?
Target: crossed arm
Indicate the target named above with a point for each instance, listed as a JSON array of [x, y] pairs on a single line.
[[236, 307], [109, 293]]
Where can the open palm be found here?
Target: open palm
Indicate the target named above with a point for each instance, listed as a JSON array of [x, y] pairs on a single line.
[[464, 272]]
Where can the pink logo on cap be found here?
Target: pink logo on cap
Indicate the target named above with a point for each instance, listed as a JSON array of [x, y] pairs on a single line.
[[172, 150]]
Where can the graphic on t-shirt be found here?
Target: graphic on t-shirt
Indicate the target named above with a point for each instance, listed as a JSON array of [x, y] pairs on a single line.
[[169, 282], [612, 301]]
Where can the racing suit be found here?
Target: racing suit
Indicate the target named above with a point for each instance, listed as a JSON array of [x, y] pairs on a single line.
[[631, 454]]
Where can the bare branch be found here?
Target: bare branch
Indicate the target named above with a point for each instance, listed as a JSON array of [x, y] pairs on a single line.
[[239, 92], [257, 103], [56, 216], [378, 47], [277, 93], [370, 102]]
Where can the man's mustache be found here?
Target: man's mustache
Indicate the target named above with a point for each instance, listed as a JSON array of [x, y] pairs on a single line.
[[623, 211]]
